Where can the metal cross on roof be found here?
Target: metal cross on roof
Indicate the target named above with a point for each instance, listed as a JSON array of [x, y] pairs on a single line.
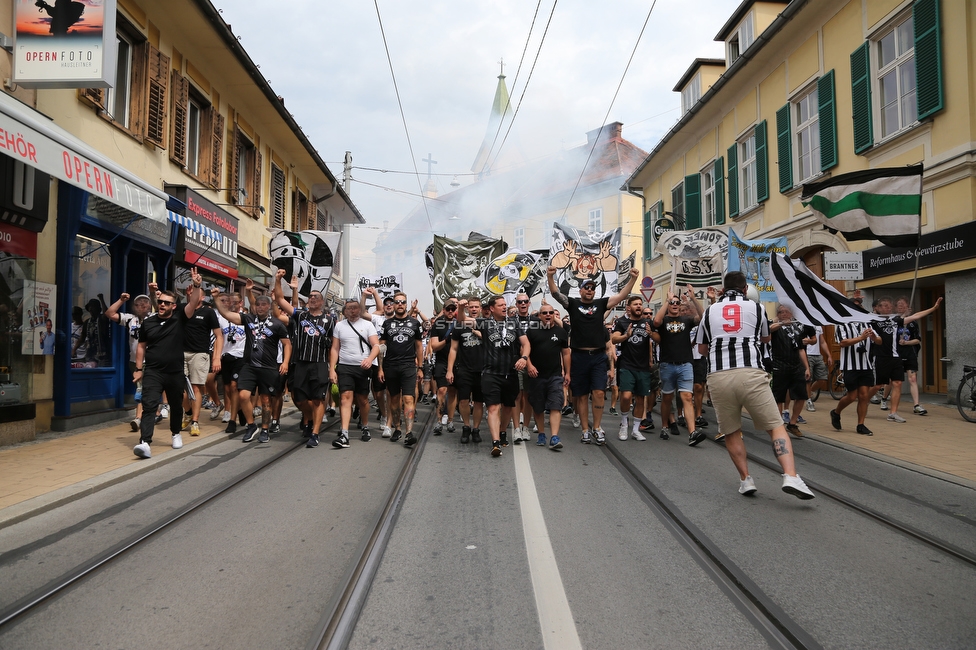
[[430, 161]]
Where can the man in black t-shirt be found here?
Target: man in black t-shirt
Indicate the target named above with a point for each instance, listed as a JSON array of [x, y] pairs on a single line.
[[159, 362], [523, 408], [677, 373], [261, 370], [548, 372], [588, 340], [440, 344], [791, 370], [312, 335], [403, 337], [464, 366], [197, 361], [633, 334]]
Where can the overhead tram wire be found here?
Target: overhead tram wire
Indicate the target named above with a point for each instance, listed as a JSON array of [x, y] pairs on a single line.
[[610, 108], [403, 118], [525, 87], [518, 71]]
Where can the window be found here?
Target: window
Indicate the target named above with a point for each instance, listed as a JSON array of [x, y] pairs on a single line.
[[118, 98], [320, 221], [807, 135], [90, 332], [243, 161], [246, 176], [690, 94], [747, 174], [740, 41], [595, 221], [520, 238], [193, 131], [300, 213], [678, 204], [708, 196], [650, 217], [896, 77], [277, 197]]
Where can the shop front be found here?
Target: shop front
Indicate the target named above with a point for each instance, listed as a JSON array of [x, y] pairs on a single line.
[[212, 250]]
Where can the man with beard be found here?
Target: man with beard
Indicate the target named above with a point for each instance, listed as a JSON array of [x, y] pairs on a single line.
[[791, 370], [380, 393], [355, 345], [312, 328], [464, 366], [523, 413], [440, 339], [398, 367], [548, 372], [132, 323], [677, 371], [232, 360], [633, 334]]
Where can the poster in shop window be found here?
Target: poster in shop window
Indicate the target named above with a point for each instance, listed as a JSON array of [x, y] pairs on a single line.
[[39, 317], [65, 43]]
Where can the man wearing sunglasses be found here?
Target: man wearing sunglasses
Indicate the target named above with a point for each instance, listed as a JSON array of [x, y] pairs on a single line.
[[159, 362], [548, 372], [677, 371], [464, 365], [440, 340], [523, 414], [633, 334], [402, 336]]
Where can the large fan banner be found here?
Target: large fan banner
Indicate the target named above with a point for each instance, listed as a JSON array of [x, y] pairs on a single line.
[[309, 255], [387, 285], [457, 266], [580, 255], [514, 271], [752, 257], [698, 257]]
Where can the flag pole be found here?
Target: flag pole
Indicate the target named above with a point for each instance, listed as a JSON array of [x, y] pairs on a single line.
[[911, 300]]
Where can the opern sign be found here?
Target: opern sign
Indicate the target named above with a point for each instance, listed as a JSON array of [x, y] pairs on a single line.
[[64, 44], [940, 247], [843, 266]]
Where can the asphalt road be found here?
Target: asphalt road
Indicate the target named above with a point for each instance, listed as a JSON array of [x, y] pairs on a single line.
[[533, 549]]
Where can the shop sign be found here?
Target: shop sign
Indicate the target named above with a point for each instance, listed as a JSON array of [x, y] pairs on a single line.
[[40, 301], [661, 227], [17, 241], [843, 266], [940, 247], [201, 250], [64, 44]]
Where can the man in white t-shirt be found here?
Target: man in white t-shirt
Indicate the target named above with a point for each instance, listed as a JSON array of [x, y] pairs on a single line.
[[141, 308], [819, 360], [355, 345], [232, 359], [384, 310]]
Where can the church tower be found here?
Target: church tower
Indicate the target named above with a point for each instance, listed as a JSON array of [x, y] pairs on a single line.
[[500, 109]]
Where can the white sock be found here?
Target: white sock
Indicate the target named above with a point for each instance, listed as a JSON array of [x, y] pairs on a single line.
[[623, 420], [636, 425]]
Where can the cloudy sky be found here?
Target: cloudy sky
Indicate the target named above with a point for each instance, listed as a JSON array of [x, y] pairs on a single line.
[[327, 59]]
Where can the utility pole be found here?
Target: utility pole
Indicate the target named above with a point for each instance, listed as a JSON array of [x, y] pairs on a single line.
[[346, 248], [347, 172]]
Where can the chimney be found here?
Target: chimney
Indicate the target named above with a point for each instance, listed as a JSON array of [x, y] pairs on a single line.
[[612, 131]]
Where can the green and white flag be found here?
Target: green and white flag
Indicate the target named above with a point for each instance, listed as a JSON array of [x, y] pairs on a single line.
[[883, 204]]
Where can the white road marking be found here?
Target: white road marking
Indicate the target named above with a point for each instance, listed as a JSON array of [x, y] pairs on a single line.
[[555, 616], [470, 547]]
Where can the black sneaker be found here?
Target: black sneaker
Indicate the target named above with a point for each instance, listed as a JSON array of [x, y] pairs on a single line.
[[864, 431], [496, 448], [476, 435], [567, 410], [231, 427], [397, 434], [265, 436], [330, 412], [275, 427], [355, 412], [673, 429], [307, 430], [438, 429], [504, 438], [158, 418], [664, 434], [250, 433], [241, 418], [681, 423], [341, 441], [410, 440], [700, 422], [695, 437], [313, 441], [465, 434], [647, 424], [835, 419], [365, 435]]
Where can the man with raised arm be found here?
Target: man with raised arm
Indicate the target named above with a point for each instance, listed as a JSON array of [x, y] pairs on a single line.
[[398, 367], [312, 328], [132, 323], [588, 342], [633, 334], [464, 366], [159, 361], [355, 345], [677, 371]]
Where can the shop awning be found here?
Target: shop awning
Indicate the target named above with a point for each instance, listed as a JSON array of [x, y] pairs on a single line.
[[28, 136], [193, 225]]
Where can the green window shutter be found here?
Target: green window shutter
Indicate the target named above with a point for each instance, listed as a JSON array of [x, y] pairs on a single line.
[[861, 98], [762, 163], [784, 150], [928, 58], [719, 172], [827, 112], [648, 235], [693, 210], [733, 181]]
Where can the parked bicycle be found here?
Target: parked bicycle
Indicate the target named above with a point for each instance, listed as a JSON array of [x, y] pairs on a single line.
[[966, 394], [835, 381]]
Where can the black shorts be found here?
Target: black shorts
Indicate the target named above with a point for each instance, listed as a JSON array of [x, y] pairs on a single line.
[[309, 380], [545, 393], [853, 379], [468, 385], [374, 378], [440, 376], [230, 368], [888, 369], [792, 381], [402, 379], [700, 369], [500, 389], [267, 381], [353, 378], [910, 362]]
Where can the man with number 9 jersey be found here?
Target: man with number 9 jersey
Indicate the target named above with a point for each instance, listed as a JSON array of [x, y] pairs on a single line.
[[731, 333]]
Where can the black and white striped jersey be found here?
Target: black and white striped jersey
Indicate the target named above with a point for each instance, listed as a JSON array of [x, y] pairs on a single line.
[[733, 328], [857, 356]]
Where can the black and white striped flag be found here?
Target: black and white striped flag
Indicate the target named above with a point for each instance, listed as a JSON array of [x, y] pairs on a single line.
[[813, 301]]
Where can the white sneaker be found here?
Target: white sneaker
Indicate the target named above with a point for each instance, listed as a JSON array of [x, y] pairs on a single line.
[[226, 417], [444, 420], [525, 434], [747, 486], [256, 411], [164, 411], [215, 411], [794, 485], [535, 427], [894, 417], [884, 405], [810, 406], [637, 435], [177, 441], [142, 450], [622, 433], [576, 421], [599, 437], [325, 419], [387, 431]]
